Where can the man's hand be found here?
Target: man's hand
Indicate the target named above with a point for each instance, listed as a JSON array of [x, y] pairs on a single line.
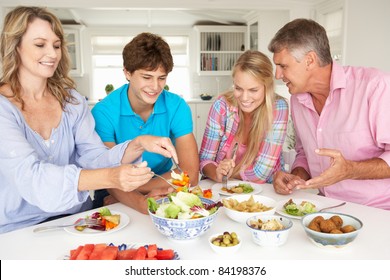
[[285, 183], [340, 169]]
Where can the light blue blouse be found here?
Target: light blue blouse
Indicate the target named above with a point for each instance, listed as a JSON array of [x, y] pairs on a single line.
[[38, 178]]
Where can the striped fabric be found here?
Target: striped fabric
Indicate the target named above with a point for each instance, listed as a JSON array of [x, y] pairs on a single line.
[[221, 128]]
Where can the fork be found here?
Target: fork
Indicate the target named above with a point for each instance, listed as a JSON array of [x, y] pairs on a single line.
[[224, 181], [170, 183], [80, 222], [224, 177]]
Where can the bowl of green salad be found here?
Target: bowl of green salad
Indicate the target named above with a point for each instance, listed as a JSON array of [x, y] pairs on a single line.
[[183, 215]]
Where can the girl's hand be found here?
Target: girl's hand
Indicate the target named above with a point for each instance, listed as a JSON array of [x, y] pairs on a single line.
[[225, 167]]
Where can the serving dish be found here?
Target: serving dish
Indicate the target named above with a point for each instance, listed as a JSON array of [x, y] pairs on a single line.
[[226, 249], [332, 240], [281, 211], [270, 238], [217, 188], [242, 216], [124, 221], [183, 229]]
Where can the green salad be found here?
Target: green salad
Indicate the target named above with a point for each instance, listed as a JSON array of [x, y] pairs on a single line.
[[182, 205], [247, 188], [305, 207]]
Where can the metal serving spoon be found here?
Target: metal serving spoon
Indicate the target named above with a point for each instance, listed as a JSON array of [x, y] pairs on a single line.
[[334, 206], [170, 183]]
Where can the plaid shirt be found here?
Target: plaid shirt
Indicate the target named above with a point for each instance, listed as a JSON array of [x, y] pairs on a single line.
[[221, 128]]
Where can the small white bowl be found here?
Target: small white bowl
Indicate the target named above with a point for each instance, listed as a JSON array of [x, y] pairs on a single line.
[[224, 250], [270, 238], [330, 240], [242, 217]]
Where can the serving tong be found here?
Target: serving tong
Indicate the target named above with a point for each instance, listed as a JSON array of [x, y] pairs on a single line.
[[177, 166], [224, 177]]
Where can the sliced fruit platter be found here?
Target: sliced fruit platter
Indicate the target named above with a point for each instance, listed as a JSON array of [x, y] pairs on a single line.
[[110, 251]]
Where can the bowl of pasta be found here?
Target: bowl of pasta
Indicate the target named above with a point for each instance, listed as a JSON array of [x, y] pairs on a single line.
[[241, 207], [269, 230]]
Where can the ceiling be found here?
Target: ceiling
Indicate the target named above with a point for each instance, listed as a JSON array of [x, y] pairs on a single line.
[[152, 13], [149, 17]]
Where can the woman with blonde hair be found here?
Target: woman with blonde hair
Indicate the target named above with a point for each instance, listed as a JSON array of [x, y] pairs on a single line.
[[252, 116], [50, 154]]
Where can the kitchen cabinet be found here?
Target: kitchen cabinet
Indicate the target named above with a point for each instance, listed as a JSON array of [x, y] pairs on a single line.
[[218, 48], [253, 30], [200, 111], [72, 36]]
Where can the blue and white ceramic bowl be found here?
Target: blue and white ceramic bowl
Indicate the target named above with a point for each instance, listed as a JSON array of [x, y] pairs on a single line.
[[330, 240], [183, 229], [270, 238]]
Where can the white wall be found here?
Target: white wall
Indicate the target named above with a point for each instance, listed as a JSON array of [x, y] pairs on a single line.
[[269, 23], [366, 43], [367, 34]]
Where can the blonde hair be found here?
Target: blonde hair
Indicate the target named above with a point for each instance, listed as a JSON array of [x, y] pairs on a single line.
[[260, 67], [15, 26]]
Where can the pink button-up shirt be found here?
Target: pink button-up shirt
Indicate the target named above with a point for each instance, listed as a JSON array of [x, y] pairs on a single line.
[[354, 120]]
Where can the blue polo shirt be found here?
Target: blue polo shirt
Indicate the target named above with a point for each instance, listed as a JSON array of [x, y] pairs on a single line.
[[117, 122]]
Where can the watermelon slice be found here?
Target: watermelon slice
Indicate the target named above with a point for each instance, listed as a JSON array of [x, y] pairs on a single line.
[[167, 254], [140, 254], [152, 250], [85, 252], [97, 251], [109, 253], [126, 254], [75, 252]]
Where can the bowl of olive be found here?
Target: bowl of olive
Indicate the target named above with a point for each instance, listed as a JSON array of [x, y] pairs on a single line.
[[225, 243]]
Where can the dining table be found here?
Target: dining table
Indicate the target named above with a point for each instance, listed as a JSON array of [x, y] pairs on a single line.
[[372, 243]]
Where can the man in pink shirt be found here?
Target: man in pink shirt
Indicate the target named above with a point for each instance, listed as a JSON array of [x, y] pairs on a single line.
[[341, 118]]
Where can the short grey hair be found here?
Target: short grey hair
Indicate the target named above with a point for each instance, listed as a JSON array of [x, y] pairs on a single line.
[[301, 36]]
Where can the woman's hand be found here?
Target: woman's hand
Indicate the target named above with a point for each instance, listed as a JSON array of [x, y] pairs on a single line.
[[128, 177], [150, 143], [225, 167]]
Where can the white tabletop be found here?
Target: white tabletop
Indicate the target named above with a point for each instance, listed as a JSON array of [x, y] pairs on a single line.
[[372, 242]]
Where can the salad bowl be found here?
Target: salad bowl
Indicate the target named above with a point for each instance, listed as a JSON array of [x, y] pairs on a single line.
[[185, 227]]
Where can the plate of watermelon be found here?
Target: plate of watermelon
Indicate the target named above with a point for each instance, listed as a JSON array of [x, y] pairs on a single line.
[[110, 251], [112, 221]]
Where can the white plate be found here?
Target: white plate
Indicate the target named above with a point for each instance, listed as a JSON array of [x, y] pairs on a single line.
[[123, 222], [217, 188], [215, 197], [280, 209]]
